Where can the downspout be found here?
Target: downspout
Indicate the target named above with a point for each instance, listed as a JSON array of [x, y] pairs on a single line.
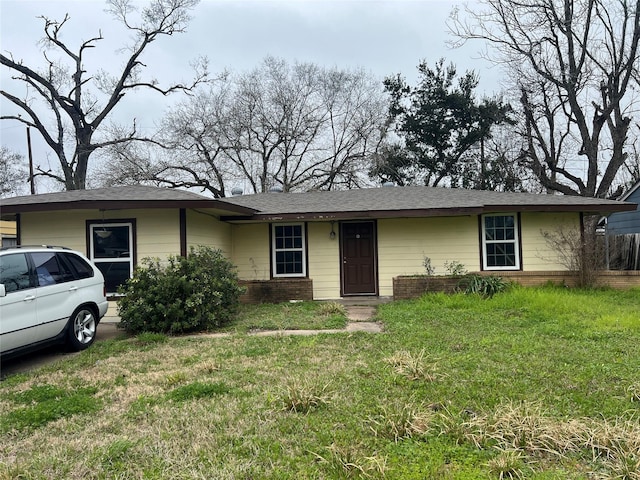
[[606, 243]]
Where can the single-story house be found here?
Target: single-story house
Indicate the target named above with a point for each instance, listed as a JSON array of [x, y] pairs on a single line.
[[320, 245]]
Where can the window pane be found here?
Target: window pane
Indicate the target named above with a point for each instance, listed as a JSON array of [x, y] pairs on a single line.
[[115, 274], [14, 272], [510, 234], [488, 222], [501, 255], [288, 262], [110, 241]]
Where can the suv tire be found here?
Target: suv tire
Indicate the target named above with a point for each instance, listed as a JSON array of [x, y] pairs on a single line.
[[82, 328]]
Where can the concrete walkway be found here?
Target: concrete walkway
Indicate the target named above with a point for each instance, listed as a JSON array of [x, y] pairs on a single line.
[[359, 316]]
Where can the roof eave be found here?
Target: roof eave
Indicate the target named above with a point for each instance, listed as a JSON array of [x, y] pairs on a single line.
[[430, 212], [223, 207], [591, 209]]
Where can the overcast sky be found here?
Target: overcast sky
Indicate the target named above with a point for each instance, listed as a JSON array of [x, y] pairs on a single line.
[[382, 36]]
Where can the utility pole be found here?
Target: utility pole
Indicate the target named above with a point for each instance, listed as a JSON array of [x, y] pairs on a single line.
[[31, 179]]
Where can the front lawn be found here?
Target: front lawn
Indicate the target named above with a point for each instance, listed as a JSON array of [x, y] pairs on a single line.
[[534, 383], [289, 316]]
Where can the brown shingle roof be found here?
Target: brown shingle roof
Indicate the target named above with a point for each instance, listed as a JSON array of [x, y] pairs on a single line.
[[413, 201], [358, 203]]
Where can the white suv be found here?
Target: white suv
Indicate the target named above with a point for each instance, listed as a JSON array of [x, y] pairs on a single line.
[[48, 295]]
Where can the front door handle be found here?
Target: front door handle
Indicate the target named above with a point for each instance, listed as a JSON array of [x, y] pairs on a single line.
[[28, 298]]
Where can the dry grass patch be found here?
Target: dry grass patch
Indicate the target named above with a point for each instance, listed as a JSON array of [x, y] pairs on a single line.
[[634, 392], [303, 395], [400, 419], [609, 445], [507, 465], [332, 308], [350, 462], [414, 366]]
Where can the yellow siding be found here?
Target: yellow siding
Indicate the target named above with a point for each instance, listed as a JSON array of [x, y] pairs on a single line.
[[207, 230], [67, 229], [250, 251], [158, 231], [537, 254], [324, 260], [404, 242]]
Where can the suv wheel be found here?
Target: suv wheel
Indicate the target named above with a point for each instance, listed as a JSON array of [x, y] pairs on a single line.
[[82, 328]]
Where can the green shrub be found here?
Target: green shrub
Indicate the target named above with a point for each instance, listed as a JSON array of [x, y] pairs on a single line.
[[486, 286], [187, 294], [455, 268]]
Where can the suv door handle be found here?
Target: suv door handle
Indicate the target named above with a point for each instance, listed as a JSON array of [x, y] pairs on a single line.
[[73, 289], [28, 298]]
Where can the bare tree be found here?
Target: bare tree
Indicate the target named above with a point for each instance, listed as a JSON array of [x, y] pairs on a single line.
[[75, 112], [13, 173], [297, 127], [574, 63]]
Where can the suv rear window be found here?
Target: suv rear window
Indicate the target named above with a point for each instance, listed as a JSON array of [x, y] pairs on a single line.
[[82, 268], [50, 270]]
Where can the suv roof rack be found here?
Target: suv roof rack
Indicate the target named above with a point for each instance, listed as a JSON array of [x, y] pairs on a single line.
[[14, 247]]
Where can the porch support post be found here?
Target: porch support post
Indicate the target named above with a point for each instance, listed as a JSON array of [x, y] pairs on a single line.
[[183, 232]]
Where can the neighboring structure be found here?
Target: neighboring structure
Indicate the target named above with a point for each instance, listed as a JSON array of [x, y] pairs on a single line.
[[8, 233], [621, 223], [321, 245], [623, 232]]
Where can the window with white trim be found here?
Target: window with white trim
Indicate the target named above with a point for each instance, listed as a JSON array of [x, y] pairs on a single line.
[[500, 243], [288, 250], [111, 249]]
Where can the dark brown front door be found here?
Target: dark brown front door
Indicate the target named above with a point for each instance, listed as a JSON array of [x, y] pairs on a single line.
[[358, 249]]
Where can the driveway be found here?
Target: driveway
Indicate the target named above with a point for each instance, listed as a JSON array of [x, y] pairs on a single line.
[[49, 355]]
